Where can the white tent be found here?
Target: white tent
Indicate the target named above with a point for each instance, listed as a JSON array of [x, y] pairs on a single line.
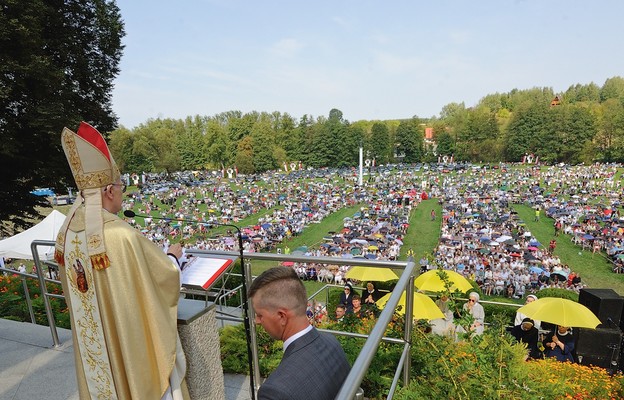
[[18, 246]]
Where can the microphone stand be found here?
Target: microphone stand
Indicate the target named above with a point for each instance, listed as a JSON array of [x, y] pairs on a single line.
[[246, 304]]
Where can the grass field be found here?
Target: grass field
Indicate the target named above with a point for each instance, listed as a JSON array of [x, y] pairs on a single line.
[[423, 233]]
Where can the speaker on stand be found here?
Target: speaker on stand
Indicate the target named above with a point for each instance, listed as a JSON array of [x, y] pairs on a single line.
[[599, 347], [606, 304]]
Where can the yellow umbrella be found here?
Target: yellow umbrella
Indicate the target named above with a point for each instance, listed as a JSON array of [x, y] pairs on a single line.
[[371, 274], [372, 247], [424, 307], [430, 281], [562, 312]]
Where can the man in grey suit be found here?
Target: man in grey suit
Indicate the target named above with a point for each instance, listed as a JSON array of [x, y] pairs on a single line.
[[314, 365]]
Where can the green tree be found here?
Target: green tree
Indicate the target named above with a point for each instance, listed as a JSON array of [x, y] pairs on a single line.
[[613, 88], [477, 137], [573, 126], [192, 145], [356, 136], [168, 157], [527, 129], [263, 148], [380, 143], [120, 145], [57, 66], [306, 131], [216, 142], [244, 156], [446, 144], [410, 140], [610, 136], [453, 117], [582, 93], [332, 141]]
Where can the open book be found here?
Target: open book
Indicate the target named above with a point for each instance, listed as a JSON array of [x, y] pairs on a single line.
[[204, 271]]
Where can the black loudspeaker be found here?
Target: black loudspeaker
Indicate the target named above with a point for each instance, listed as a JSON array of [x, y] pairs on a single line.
[[598, 347], [605, 303]]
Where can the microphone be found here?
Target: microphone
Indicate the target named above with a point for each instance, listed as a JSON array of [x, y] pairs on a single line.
[[132, 214]]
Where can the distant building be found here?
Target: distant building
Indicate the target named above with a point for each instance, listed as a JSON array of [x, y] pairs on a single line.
[[555, 101]]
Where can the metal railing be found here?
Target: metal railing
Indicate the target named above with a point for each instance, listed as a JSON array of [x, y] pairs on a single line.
[[370, 346], [369, 349]]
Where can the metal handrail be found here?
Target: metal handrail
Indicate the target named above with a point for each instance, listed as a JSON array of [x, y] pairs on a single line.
[[360, 366], [44, 288], [386, 314], [376, 336]]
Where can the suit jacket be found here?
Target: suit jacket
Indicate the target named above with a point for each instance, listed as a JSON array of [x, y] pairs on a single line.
[[313, 367]]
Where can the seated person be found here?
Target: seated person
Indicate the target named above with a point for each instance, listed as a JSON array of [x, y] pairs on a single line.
[[520, 317], [356, 308], [527, 333], [442, 326], [370, 295], [559, 344], [475, 309], [346, 297], [311, 273], [340, 312]]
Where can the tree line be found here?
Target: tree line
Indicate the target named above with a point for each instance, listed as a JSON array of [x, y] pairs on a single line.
[[583, 124], [260, 141]]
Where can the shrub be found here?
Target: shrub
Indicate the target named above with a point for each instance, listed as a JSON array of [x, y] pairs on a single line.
[[507, 313], [556, 292], [489, 366], [13, 304]]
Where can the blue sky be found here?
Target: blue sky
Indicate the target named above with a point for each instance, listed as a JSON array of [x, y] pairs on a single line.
[[369, 59]]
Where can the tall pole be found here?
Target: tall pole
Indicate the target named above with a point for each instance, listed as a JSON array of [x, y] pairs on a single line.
[[361, 178], [250, 329]]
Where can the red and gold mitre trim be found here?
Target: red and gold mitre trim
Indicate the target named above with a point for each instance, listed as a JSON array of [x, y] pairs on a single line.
[[89, 158]]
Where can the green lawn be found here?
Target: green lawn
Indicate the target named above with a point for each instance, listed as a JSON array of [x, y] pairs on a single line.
[[423, 233]]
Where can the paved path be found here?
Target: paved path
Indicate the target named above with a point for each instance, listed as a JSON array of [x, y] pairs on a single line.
[[31, 368]]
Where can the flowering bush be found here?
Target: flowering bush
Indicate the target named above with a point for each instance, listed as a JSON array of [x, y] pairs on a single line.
[[13, 301], [488, 366], [493, 366], [574, 381]]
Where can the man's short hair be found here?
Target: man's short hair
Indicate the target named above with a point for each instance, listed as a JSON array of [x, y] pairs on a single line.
[[341, 306], [356, 297], [279, 287]]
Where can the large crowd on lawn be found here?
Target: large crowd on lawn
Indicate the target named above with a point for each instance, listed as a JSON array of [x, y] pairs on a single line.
[[481, 236]]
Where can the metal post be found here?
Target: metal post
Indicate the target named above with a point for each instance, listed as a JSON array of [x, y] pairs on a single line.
[[360, 177], [252, 332], [409, 324], [44, 289], [28, 301]]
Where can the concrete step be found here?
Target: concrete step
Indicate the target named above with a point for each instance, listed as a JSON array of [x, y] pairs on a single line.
[[31, 368]]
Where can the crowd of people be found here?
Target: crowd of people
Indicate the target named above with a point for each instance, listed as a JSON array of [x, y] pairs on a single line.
[[484, 239]]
